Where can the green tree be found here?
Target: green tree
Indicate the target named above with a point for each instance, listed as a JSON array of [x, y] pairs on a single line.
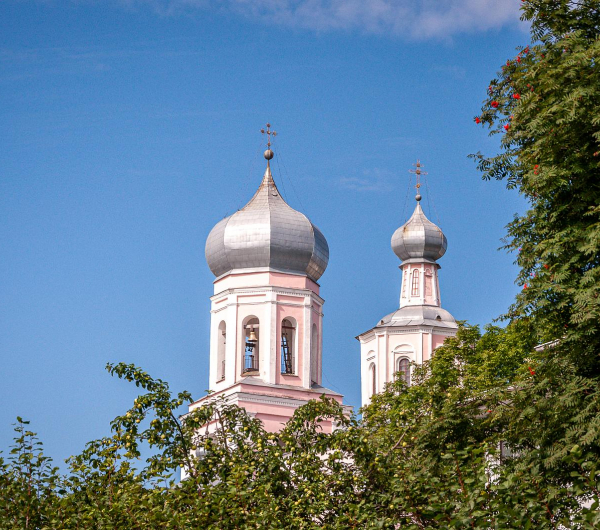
[[29, 485], [545, 103]]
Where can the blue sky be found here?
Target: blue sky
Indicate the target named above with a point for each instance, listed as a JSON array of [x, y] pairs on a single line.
[[129, 128]]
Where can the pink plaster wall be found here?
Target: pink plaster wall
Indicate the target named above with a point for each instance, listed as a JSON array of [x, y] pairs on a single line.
[[274, 423], [438, 340], [293, 280], [256, 279], [273, 416]]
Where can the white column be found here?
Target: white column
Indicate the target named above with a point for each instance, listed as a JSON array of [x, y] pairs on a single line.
[[305, 328], [268, 330], [422, 284], [232, 368], [212, 366]]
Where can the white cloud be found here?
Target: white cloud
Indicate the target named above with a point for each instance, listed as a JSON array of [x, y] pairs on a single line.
[[377, 180], [417, 19]]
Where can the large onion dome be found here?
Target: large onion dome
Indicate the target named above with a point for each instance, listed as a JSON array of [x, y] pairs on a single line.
[[267, 233], [419, 239]]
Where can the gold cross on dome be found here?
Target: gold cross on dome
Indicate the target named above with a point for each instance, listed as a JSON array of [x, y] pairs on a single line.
[[418, 173], [268, 132]]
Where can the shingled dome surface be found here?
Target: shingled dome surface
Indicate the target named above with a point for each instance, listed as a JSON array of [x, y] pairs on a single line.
[[419, 239], [267, 233]]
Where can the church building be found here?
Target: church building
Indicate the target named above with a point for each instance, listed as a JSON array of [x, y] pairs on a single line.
[[266, 346]]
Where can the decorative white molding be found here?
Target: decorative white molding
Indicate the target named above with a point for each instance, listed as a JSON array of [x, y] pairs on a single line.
[[366, 337], [273, 400], [286, 291]]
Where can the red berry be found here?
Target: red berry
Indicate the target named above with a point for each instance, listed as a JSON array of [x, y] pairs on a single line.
[[516, 96], [506, 127], [477, 120], [494, 104]]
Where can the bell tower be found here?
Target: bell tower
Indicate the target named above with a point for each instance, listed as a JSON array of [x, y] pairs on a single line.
[[266, 312], [420, 325]]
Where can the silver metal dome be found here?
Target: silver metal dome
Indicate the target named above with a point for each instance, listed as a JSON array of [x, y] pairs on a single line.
[[419, 239], [267, 233]]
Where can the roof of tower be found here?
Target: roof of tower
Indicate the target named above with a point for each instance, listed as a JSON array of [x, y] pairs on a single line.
[[267, 233], [419, 239], [419, 315]]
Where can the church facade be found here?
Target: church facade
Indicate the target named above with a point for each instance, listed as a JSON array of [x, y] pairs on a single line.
[[266, 328]]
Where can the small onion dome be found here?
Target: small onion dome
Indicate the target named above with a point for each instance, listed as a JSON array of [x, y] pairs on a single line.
[[267, 233], [419, 239]]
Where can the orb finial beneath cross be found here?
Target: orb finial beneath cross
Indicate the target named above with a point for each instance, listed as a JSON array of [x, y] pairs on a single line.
[[268, 154]]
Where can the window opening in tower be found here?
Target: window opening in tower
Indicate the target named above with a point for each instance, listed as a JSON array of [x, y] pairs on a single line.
[[287, 355]]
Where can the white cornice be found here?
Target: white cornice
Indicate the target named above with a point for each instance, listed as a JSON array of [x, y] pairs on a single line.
[[266, 399], [367, 336], [263, 289], [273, 400]]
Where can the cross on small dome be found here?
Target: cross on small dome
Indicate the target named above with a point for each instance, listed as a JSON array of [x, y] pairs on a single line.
[[419, 238]]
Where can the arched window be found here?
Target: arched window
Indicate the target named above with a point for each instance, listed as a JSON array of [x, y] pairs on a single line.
[[251, 345], [373, 382], [415, 283], [221, 349], [314, 355], [288, 343], [403, 369]]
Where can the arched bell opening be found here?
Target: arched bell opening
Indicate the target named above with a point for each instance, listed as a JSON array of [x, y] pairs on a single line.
[[288, 346], [250, 361]]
